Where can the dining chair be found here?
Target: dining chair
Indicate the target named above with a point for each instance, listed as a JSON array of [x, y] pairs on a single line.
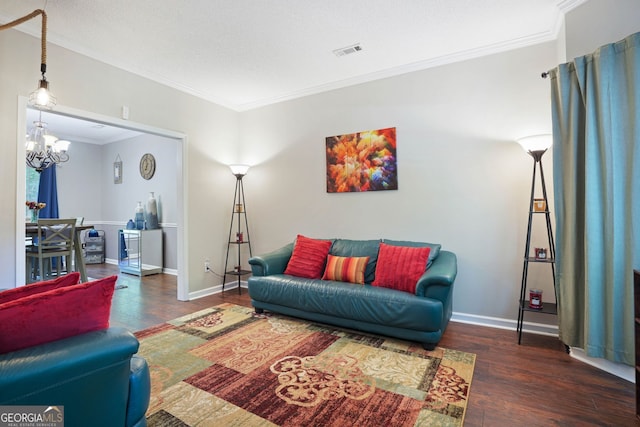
[[55, 240]]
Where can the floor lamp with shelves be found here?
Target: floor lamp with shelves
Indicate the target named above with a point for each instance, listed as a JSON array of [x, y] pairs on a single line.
[[536, 146], [238, 230]]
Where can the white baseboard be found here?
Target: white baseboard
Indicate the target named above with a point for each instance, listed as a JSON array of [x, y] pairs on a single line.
[[216, 289], [509, 324], [620, 370], [171, 271]]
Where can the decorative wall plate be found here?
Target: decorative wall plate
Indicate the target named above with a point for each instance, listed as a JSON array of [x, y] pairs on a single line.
[[147, 166]]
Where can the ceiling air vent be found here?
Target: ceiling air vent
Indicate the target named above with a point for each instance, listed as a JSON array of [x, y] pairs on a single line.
[[348, 50]]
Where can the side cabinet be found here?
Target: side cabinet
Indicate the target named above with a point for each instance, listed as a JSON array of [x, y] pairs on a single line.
[[140, 251], [94, 249]]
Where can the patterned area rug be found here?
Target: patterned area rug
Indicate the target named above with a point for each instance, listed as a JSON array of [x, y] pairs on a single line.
[[227, 366]]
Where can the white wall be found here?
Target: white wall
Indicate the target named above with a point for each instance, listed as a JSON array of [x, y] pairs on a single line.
[[463, 181], [599, 22], [80, 182], [121, 199]]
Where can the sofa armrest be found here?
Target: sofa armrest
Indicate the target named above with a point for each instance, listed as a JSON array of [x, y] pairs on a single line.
[[438, 279], [139, 392], [88, 374], [271, 263]]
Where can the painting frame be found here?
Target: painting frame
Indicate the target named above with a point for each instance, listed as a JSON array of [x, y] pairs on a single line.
[[117, 172], [362, 161]]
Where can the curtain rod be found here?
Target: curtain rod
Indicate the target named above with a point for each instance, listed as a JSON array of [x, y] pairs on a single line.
[[544, 75]]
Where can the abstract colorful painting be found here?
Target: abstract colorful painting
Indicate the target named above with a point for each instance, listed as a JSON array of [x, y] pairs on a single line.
[[362, 161]]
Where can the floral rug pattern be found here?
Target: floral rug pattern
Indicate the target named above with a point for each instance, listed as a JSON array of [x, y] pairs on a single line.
[[229, 366]]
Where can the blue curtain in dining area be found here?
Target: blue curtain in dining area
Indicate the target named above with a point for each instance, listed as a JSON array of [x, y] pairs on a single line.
[[596, 156], [48, 193]]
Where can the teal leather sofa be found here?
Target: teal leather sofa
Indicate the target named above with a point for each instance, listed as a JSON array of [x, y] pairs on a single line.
[[420, 317], [95, 376]]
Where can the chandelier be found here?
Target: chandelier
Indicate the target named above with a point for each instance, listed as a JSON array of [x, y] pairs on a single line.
[[44, 149]]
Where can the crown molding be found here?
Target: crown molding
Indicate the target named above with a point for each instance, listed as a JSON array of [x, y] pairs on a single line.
[[460, 56], [568, 5]]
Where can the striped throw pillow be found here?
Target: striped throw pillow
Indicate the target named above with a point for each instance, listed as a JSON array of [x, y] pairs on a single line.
[[345, 269]]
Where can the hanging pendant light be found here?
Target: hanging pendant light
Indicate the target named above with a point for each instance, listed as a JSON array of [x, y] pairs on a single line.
[[42, 149], [41, 97]]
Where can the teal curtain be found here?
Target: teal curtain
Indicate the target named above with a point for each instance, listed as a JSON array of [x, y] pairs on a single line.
[[596, 156]]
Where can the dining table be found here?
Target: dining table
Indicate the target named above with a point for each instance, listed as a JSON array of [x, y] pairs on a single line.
[[31, 230]]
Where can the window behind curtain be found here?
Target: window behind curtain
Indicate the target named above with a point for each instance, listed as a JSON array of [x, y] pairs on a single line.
[[33, 182]]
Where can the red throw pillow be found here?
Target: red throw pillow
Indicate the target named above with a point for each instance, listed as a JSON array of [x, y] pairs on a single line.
[[56, 314], [345, 269], [308, 257], [36, 288], [400, 267]]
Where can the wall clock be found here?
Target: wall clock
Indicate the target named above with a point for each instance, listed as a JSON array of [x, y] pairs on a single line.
[[147, 166]]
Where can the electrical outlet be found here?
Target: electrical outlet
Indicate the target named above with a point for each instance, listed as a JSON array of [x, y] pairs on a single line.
[[207, 266]]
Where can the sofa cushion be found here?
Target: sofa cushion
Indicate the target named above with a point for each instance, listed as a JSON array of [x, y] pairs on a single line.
[[400, 267], [55, 314], [359, 248], [36, 288], [345, 269], [341, 300], [433, 254], [308, 258]]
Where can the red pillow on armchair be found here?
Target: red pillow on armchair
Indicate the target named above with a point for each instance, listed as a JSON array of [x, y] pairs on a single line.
[[36, 288], [55, 314]]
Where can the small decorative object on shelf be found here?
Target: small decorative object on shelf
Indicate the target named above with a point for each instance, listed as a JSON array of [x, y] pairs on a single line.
[[541, 253], [535, 299], [239, 207], [539, 205], [239, 237]]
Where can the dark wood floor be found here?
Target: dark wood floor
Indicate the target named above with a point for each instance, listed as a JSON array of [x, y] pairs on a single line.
[[533, 384]]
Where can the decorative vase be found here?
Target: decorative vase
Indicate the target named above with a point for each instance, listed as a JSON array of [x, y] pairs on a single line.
[[34, 215], [139, 217], [152, 213]]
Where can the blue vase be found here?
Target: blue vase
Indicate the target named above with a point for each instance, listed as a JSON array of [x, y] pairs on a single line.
[[139, 218]]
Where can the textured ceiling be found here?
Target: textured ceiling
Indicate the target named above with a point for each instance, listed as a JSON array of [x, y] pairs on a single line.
[[248, 53]]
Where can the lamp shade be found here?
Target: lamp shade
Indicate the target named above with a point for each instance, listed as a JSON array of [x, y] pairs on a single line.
[[536, 142], [240, 170]]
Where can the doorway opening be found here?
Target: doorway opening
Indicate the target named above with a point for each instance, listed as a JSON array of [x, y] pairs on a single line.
[[68, 116]]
